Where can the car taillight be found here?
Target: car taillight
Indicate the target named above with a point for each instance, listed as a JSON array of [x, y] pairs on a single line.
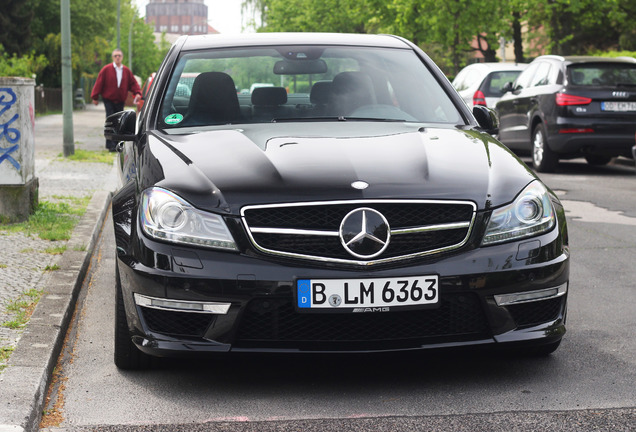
[[563, 99], [479, 98]]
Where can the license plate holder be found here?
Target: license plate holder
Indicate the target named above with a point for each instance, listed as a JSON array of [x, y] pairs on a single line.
[[367, 294]]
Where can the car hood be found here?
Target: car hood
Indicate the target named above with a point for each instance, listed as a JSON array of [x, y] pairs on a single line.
[[224, 169]]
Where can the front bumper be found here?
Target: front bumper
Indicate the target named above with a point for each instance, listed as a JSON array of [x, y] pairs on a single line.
[[260, 314]]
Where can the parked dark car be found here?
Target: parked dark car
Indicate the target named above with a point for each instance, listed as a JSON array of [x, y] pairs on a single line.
[[568, 107], [357, 205]]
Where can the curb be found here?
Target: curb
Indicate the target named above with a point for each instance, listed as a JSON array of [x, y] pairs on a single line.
[[23, 384]]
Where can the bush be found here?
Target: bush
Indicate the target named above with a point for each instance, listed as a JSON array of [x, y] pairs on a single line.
[[615, 53], [26, 66]]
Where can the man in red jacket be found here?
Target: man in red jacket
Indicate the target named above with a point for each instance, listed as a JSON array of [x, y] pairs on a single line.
[[114, 82]]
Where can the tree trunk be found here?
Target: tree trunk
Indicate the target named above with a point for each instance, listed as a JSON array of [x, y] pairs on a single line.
[[516, 35], [490, 55]]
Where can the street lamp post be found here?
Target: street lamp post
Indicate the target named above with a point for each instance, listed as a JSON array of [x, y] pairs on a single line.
[[130, 35], [118, 32], [67, 79]]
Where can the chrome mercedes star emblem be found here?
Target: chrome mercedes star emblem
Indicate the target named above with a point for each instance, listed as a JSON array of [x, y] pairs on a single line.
[[364, 233]]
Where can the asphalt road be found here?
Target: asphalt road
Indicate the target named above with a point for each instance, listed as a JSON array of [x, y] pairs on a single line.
[[588, 384]]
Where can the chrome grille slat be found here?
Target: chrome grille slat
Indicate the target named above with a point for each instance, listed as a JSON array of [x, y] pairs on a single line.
[[311, 230]]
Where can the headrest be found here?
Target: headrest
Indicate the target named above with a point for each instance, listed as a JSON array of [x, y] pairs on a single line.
[[213, 99], [269, 96], [320, 93]]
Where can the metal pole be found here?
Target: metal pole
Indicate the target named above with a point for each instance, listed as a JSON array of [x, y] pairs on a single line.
[[130, 35], [67, 79], [118, 32]]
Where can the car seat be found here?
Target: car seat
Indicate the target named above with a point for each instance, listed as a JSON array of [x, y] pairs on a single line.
[[267, 103], [351, 90], [213, 100]]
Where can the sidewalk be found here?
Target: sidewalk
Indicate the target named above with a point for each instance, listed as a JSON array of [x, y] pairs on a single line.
[[23, 261]]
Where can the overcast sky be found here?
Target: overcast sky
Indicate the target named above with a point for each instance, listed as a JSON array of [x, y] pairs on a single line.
[[223, 15]]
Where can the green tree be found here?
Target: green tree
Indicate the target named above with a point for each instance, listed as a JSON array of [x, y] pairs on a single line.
[[444, 29], [24, 66], [452, 26], [452, 30], [93, 37], [569, 27], [15, 26], [345, 16]]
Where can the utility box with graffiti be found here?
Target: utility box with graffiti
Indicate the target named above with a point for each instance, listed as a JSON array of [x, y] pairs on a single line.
[[18, 184]]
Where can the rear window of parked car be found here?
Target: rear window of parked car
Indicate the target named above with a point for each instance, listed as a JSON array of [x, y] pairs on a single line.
[[602, 74]]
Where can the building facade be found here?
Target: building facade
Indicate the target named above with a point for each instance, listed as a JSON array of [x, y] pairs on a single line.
[[178, 16]]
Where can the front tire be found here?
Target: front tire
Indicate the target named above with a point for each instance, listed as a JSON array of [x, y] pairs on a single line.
[[127, 355], [543, 158]]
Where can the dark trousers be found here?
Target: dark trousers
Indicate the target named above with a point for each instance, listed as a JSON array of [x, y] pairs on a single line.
[[112, 108]]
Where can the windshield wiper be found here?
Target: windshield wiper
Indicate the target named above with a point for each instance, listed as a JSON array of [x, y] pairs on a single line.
[[621, 84], [314, 119], [372, 119], [336, 118]]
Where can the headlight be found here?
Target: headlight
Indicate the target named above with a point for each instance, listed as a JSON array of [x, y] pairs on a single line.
[[530, 214], [165, 216]]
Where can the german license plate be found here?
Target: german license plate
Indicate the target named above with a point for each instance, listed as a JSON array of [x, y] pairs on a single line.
[[618, 106], [367, 295]]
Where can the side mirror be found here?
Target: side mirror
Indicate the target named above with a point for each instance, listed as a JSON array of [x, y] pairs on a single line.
[[507, 88], [487, 119], [121, 126]]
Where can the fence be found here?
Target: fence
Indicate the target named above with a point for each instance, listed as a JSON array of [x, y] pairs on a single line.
[[49, 100]]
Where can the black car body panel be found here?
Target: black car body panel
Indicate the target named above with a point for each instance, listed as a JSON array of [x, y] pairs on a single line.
[[579, 124], [281, 192], [275, 163]]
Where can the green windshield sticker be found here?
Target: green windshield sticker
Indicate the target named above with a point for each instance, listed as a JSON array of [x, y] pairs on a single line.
[[173, 119]]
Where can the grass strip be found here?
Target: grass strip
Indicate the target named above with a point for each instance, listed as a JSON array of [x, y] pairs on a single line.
[[52, 221], [22, 308], [103, 156]]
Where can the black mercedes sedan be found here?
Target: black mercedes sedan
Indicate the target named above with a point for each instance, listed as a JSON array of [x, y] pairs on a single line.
[[325, 193], [569, 107]]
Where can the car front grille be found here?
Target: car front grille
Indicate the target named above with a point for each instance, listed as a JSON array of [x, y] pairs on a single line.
[[269, 323], [312, 230]]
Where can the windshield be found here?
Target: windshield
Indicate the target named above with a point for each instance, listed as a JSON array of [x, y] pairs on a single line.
[[310, 83], [602, 74]]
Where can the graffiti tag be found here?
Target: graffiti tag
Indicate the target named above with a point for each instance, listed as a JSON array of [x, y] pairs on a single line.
[[4, 155], [7, 100]]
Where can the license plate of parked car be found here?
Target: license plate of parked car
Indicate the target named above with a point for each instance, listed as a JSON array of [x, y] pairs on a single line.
[[367, 295], [618, 106]]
